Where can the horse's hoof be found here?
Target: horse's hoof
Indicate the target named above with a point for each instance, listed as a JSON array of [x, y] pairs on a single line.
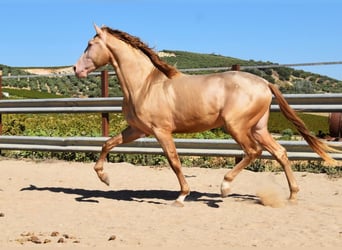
[[293, 197], [105, 179], [225, 193], [225, 189], [292, 201], [177, 204]]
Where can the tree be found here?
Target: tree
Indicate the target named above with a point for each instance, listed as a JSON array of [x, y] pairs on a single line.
[[303, 86]]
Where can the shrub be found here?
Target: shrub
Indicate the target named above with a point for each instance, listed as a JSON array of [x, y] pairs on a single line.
[[286, 134]]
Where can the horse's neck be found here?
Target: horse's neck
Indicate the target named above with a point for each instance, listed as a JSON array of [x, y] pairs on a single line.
[[133, 69]]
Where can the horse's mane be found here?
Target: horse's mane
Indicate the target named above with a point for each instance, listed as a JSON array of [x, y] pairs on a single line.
[[135, 42]]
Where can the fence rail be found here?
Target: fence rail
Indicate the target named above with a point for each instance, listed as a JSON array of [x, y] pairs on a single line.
[[62, 105], [297, 150], [306, 103]]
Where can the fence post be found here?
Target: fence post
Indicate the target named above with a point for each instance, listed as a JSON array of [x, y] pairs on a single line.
[[335, 124], [236, 67], [105, 93]]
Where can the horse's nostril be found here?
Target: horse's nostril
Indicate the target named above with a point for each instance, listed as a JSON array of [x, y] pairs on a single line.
[[74, 68]]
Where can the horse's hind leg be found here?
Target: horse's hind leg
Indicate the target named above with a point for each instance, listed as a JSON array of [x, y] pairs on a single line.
[[252, 151], [266, 140], [126, 136]]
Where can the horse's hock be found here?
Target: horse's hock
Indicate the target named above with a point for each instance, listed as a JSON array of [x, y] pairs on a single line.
[[335, 124]]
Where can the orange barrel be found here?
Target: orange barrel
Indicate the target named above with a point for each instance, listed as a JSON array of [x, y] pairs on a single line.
[[335, 124]]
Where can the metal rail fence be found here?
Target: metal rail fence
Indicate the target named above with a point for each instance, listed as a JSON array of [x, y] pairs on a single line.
[[307, 103], [296, 149]]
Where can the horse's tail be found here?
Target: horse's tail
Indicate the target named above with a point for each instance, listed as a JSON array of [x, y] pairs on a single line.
[[318, 146]]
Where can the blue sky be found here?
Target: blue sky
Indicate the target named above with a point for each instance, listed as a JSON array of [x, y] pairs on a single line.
[[54, 33]]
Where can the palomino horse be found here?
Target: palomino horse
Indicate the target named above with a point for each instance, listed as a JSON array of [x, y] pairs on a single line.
[[159, 100]]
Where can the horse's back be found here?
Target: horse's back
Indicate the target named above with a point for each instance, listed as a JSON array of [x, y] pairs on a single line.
[[224, 85]]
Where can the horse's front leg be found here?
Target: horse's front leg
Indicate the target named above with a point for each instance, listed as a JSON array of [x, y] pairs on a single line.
[[126, 136], [166, 141]]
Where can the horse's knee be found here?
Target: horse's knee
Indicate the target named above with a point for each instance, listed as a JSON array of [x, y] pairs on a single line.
[[106, 147], [111, 143]]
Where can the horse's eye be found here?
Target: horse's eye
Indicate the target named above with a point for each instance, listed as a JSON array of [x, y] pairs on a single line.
[[89, 44]]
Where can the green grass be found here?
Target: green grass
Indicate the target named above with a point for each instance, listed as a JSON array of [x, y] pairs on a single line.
[[278, 123], [86, 124]]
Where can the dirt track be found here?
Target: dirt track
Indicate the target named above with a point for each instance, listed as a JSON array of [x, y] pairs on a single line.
[[50, 201]]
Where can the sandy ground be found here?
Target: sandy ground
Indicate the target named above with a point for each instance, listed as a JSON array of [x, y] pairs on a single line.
[[50, 202]]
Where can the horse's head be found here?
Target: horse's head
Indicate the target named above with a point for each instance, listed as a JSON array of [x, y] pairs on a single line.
[[95, 55]]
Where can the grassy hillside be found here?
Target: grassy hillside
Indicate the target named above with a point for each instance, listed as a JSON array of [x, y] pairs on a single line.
[[186, 60], [289, 80]]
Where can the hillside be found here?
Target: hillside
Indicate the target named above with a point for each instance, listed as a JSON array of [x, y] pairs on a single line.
[[47, 71], [289, 79]]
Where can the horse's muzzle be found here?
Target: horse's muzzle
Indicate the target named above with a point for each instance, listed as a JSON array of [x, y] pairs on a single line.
[[80, 74]]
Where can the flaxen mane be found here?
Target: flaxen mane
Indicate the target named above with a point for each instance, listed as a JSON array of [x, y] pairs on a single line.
[[135, 42]]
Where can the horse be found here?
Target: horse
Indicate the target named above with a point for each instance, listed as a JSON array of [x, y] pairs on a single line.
[[159, 100]]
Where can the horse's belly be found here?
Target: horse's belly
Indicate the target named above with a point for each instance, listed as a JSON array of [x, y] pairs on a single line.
[[197, 124]]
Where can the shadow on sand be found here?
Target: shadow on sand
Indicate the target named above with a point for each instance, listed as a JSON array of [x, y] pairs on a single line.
[[149, 196]]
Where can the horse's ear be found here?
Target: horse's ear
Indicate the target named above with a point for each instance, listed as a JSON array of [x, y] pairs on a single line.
[[98, 30]]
